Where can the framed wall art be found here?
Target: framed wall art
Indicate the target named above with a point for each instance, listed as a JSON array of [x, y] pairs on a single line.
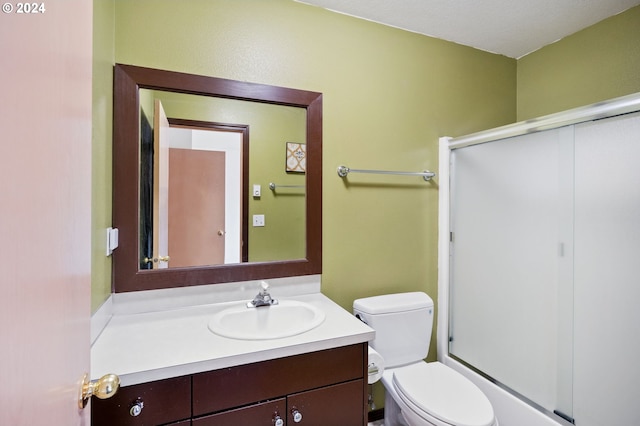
[[296, 157]]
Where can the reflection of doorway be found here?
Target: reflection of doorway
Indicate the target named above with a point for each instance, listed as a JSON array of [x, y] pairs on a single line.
[[161, 188], [217, 157], [196, 224], [231, 142]]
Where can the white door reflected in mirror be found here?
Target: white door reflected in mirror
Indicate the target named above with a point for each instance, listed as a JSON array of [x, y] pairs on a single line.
[[197, 207]]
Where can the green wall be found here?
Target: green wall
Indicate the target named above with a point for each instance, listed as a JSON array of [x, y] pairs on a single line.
[[598, 63], [388, 95], [103, 60]]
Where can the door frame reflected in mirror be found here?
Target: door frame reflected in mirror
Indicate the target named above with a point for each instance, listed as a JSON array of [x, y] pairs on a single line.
[[127, 276], [243, 130]]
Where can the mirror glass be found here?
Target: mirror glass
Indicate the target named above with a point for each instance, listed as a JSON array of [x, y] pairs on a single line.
[[215, 180], [208, 166]]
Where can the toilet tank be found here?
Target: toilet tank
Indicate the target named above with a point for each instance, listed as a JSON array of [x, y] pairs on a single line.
[[402, 322]]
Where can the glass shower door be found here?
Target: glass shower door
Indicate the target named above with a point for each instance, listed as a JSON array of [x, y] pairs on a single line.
[[607, 272], [511, 287]]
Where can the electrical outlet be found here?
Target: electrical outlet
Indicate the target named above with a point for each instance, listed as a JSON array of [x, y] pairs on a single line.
[[258, 220]]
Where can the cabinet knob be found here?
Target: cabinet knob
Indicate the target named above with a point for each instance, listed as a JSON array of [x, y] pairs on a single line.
[[297, 415], [136, 407], [277, 420]]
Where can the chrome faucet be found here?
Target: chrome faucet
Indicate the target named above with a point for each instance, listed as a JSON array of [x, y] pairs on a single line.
[[263, 298]]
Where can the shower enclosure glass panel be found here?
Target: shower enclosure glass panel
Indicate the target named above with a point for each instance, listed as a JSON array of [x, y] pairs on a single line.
[[545, 265], [607, 272], [511, 263]]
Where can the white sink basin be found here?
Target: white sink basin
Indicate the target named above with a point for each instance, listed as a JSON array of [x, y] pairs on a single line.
[[285, 319]]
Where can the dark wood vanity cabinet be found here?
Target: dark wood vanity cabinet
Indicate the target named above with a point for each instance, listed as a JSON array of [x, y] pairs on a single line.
[[319, 388], [338, 405], [265, 413], [160, 402]]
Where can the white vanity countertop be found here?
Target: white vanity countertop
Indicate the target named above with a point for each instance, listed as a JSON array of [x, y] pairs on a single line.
[[142, 347]]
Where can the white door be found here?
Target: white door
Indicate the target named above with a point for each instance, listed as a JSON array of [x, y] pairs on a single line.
[[161, 145], [45, 210]]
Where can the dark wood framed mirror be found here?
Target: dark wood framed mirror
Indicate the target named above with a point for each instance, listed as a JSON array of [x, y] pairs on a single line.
[[127, 274]]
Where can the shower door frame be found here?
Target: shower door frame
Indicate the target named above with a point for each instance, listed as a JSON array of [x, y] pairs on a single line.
[[506, 403]]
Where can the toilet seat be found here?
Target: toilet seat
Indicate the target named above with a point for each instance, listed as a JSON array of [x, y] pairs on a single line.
[[435, 391]]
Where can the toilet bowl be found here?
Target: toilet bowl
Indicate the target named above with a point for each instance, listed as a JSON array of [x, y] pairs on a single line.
[[418, 393], [432, 394]]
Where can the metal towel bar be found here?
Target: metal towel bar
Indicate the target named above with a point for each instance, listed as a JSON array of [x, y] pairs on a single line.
[[273, 186], [343, 171]]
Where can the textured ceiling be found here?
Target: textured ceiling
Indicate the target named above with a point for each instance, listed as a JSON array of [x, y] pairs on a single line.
[[512, 28]]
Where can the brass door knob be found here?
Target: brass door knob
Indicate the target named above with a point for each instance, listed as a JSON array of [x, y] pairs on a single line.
[[156, 259], [103, 388]]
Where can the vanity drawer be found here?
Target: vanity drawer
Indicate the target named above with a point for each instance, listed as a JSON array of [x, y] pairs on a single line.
[[339, 404], [164, 401], [263, 414], [237, 386]]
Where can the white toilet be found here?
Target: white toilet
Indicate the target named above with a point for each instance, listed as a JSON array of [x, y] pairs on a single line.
[[418, 393]]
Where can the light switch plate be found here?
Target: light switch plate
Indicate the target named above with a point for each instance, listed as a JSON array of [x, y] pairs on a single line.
[[258, 220], [257, 190], [112, 240]]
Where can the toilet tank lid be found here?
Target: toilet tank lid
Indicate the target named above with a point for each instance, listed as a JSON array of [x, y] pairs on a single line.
[[389, 303]]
